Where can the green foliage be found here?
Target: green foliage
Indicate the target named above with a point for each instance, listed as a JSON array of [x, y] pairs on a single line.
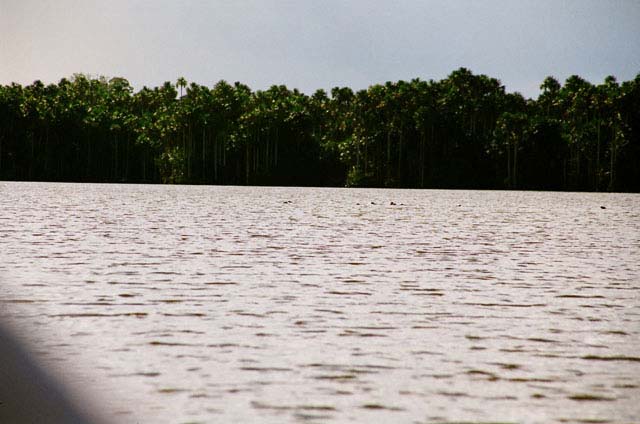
[[464, 131], [172, 165]]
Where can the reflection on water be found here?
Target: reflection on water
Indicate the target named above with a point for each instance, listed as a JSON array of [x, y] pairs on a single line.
[[231, 304]]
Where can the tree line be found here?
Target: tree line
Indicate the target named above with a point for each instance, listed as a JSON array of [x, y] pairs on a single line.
[[464, 131]]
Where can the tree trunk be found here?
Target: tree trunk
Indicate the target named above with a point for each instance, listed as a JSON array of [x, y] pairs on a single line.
[[509, 165], [203, 173], [614, 148], [598, 160], [1, 138], [46, 153], [276, 148], [266, 156], [216, 147], [515, 164], [422, 155], [247, 164], [88, 173], [115, 169], [388, 170], [399, 173], [127, 154]]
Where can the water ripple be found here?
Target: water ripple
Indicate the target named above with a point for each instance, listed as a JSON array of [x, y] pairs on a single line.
[[276, 305]]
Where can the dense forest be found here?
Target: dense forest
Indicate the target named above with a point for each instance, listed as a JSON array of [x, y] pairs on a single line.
[[464, 131]]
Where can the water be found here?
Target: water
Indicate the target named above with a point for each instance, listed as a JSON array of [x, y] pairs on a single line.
[[245, 304]]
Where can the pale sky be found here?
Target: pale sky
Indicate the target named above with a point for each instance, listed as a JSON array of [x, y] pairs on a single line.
[[311, 44]]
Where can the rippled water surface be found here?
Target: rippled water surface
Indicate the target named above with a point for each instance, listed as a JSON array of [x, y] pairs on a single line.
[[245, 304]]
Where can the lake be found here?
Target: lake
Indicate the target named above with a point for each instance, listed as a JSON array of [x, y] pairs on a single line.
[[172, 304]]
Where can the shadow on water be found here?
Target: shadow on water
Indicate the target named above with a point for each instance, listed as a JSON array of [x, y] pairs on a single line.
[[30, 394]]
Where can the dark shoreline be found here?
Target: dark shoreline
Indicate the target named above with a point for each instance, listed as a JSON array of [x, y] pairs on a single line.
[[318, 187], [463, 132]]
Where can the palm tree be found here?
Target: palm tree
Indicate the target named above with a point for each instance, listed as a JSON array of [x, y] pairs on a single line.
[[181, 83]]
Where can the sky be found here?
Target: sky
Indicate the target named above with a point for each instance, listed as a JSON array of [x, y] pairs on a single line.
[[312, 44]]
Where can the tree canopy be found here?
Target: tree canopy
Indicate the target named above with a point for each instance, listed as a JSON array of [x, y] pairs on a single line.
[[464, 131]]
